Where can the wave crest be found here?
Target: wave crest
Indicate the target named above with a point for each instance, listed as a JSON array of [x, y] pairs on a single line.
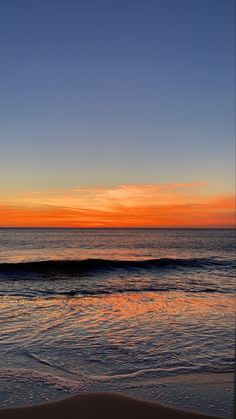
[[86, 265]]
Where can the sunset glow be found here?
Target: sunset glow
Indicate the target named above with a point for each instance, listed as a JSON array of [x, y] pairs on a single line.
[[117, 115], [117, 208], [171, 205]]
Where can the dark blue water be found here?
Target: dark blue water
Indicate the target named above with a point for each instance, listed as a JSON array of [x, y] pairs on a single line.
[[96, 308]]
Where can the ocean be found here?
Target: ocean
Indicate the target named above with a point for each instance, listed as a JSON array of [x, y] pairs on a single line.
[[116, 309]]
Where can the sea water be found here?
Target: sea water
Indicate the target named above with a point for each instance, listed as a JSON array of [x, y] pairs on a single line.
[[113, 309]]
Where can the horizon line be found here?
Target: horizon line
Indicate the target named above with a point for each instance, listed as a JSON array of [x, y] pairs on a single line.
[[113, 228]]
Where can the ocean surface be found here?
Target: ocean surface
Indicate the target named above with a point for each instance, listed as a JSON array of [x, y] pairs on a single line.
[[113, 309]]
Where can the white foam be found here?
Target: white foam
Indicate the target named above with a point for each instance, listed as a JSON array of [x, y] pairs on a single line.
[[32, 376]]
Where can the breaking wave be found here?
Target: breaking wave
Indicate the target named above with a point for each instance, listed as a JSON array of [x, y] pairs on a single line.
[[85, 266]]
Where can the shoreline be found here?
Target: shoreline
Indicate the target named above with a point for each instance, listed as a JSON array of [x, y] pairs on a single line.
[[100, 406], [205, 393]]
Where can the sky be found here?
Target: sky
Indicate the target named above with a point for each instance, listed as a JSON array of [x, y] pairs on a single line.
[[117, 113]]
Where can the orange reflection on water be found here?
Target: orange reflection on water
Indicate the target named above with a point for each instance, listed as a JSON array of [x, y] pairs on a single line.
[[111, 317], [128, 306]]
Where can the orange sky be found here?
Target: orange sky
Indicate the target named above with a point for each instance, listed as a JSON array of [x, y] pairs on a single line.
[[171, 205]]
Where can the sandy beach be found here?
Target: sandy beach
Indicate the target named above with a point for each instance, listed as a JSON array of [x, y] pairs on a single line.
[[208, 395], [100, 405]]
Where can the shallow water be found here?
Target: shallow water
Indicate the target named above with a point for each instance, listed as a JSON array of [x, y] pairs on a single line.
[[154, 304]]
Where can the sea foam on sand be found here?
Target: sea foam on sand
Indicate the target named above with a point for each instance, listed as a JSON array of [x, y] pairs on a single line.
[[206, 393]]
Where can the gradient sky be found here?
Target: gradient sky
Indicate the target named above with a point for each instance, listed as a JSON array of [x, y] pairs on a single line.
[[102, 95]]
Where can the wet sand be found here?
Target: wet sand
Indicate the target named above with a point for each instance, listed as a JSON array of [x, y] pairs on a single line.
[[208, 395], [99, 405]]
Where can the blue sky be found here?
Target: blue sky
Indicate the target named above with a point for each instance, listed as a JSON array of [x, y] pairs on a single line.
[[100, 93]]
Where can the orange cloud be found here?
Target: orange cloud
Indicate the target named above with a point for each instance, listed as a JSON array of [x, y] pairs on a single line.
[[174, 205]]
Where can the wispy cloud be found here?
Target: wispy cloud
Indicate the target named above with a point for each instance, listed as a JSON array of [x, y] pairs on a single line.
[[170, 205]]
